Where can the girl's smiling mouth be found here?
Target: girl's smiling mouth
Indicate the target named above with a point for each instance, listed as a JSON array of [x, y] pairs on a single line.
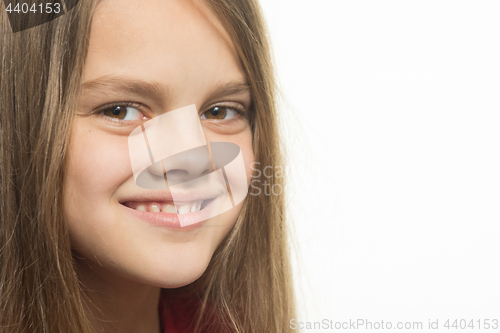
[[168, 207], [159, 208]]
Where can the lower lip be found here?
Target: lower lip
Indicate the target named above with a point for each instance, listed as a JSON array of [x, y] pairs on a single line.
[[171, 220]]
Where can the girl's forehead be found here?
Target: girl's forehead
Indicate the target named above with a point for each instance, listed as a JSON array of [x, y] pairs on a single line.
[[170, 42]]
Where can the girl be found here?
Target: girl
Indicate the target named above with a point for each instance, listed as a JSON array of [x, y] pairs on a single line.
[[78, 250]]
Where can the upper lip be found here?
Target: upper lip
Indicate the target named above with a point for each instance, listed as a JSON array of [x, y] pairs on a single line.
[[166, 196]]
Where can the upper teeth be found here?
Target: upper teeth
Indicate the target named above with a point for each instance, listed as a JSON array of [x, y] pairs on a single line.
[[193, 206]]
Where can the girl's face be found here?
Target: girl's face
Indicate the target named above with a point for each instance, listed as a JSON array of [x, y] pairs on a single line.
[[146, 58]]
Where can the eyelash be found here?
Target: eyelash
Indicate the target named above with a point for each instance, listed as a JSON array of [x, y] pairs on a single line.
[[100, 112], [241, 111]]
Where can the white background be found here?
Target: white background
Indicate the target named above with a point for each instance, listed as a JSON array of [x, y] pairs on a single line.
[[392, 120]]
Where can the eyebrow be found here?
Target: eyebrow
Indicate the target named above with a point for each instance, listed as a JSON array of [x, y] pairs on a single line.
[[230, 89], [125, 84], [154, 90]]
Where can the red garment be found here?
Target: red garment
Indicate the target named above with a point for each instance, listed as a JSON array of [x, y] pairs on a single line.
[[179, 315]]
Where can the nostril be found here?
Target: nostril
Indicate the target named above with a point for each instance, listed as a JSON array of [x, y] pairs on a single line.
[[176, 176], [156, 169], [177, 173]]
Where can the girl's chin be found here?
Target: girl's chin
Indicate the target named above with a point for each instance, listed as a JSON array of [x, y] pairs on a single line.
[[177, 278]]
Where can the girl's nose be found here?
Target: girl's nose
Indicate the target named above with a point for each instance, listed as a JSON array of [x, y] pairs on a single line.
[[183, 166]]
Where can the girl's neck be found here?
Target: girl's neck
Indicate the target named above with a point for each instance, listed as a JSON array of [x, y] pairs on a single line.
[[116, 304]]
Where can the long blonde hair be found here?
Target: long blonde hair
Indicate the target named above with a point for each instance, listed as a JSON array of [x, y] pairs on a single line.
[[248, 282]]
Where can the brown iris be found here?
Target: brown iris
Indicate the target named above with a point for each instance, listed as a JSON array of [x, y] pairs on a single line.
[[216, 113], [117, 112]]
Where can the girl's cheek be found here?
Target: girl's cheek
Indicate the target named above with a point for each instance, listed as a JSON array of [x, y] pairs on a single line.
[[98, 161], [243, 140]]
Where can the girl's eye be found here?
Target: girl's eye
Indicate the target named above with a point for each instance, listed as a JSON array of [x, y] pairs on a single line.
[[219, 113], [122, 112]]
